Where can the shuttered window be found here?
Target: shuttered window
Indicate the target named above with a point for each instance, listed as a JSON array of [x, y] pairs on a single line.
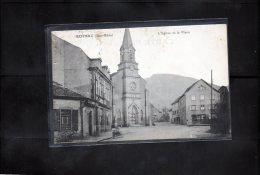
[[65, 120], [74, 120], [56, 119]]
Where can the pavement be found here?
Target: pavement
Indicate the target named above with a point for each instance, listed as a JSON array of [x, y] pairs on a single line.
[[103, 136], [161, 130], [164, 130]]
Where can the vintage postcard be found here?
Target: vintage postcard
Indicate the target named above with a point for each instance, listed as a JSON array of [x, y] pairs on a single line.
[[131, 84]]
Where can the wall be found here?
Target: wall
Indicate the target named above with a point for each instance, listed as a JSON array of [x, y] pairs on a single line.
[[182, 110], [117, 96], [57, 60], [86, 121], [68, 104], [196, 91], [145, 109], [174, 111], [70, 67]]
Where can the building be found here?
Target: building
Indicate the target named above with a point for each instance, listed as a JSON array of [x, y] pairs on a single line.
[[130, 96], [66, 110], [193, 107], [175, 118], [88, 90], [156, 114]]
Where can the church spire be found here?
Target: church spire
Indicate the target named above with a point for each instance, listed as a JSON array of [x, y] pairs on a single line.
[[127, 50], [127, 41]]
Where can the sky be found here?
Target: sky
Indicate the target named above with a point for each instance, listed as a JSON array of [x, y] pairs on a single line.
[[190, 51]]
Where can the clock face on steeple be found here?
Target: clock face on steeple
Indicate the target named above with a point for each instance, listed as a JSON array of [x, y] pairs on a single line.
[[132, 86]]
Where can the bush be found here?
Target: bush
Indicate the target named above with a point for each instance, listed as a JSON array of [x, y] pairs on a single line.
[[65, 136]]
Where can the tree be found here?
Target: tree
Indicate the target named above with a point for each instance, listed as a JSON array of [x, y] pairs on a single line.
[[165, 115], [222, 122]]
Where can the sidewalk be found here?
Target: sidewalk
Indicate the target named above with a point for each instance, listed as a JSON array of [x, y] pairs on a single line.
[[103, 136]]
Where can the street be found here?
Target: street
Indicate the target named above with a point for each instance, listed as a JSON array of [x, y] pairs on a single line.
[[163, 130]]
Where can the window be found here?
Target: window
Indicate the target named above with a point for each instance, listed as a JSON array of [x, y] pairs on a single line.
[[193, 97], [108, 94], [193, 107], [65, 116], [202, 88], [101, 90], [199, 119], [97, 89], [105, 93], [213, 97], [131, 56], [213, 106], [66, 119], [202, 97], [202, 107]]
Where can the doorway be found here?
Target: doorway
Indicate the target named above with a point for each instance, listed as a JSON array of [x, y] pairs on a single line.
[[90, 123], [134, 115]]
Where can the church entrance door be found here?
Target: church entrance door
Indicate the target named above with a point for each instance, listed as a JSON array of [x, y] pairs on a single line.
[[134, 116]]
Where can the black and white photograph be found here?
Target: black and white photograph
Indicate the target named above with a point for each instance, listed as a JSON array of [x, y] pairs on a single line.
[[127, 87], [139, 84]]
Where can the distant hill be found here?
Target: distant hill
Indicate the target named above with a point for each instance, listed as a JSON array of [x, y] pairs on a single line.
[[165, 88]]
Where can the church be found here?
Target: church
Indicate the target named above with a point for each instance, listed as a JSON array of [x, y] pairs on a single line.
[[131, 106]]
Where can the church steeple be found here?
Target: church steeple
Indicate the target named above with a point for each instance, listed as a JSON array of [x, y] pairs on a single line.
[[127, 41], [127, 50]]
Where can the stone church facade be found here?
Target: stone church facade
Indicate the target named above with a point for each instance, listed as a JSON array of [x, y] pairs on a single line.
[[130, 96]]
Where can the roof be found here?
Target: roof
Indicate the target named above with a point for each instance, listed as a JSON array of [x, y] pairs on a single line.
[[191, 87], [113, 74], [127, 40], [60, 91], [175, 101], [95, 59], [196, 83]]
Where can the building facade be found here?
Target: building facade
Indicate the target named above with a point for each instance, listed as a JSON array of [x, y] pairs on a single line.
[[130, 96], [78, 74], [193, 107], [66, 111], [175, 118], [155, 113]]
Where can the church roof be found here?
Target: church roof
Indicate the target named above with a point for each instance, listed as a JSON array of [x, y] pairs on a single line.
[[127, 40]]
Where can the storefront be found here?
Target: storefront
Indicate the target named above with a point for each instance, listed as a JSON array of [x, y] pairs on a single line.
[[200, 119]]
